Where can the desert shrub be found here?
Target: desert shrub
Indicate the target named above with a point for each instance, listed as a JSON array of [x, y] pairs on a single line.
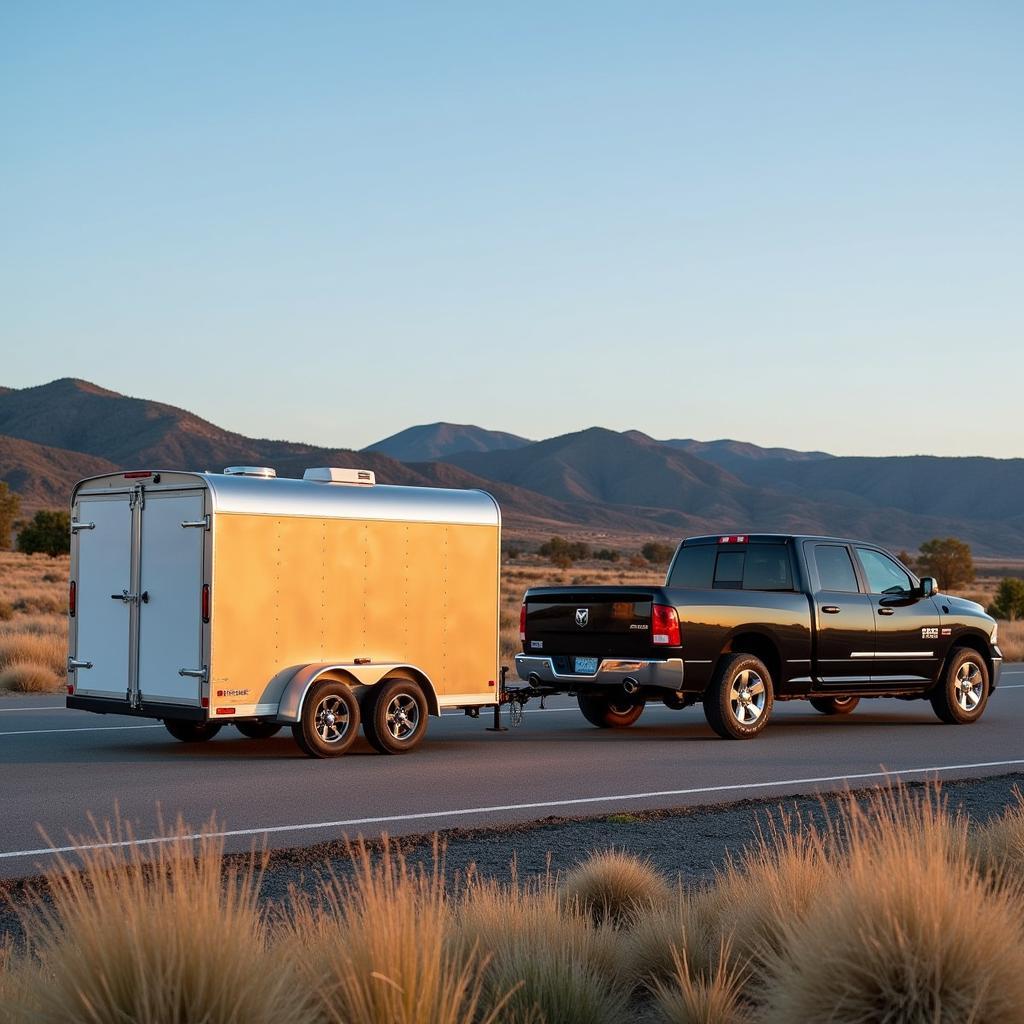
[[907, 932], [703, 996], [40, 604], [657, 552], [607, 555], [28, 677], [557, 965], [48, 532], [616, 887], [378, 949], [6, 611], [563, 553], [157, 937], [998, 845], [652, 947], [1009, 600]]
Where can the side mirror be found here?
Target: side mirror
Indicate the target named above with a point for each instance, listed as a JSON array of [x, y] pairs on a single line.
[[929, 586]]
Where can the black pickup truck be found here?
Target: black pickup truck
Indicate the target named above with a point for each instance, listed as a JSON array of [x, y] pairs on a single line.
[[745, 620]]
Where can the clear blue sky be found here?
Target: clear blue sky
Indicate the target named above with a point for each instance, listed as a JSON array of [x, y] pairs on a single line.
[[791, 223]]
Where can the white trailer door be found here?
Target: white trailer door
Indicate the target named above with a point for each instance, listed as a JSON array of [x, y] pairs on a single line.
[[103, 535], [170, 609]]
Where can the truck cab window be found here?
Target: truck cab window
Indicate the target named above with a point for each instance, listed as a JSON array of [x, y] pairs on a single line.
[[694, 567], [729, 570], [883, 574], [767, 568], [835, 570]]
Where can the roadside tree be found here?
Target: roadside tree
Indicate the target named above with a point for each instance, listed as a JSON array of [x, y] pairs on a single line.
[[948, 560], [48, 533], [1009, 602]]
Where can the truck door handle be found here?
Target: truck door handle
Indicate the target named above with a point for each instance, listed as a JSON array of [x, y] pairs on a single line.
[[886, 611], [830, 609]]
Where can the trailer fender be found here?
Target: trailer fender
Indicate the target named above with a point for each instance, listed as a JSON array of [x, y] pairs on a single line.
[[304, 677]]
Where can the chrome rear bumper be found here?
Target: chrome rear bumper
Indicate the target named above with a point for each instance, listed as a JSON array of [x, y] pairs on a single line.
[[665, 675]]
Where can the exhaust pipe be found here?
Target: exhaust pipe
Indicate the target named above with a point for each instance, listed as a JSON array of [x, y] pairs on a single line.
[[630, 686]]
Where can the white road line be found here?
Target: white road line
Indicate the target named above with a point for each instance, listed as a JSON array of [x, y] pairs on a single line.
[[536, 805], [41, 707], [86, 728]]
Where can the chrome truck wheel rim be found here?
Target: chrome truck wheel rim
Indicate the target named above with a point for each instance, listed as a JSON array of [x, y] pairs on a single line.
[[403, 715], [332, 719], [747, 697], [969, 685]]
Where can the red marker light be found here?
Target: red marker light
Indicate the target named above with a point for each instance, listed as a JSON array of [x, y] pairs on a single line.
[[225, 711], [138, 474], [740, 538], [665, 626], [71, 689], [205, 602], [72, 598]]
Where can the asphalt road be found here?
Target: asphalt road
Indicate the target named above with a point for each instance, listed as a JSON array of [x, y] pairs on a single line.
[[57, 767]]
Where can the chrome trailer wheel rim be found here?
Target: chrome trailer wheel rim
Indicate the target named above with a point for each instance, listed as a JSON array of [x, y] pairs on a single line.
[[747, 697], [402, 716], [969, 685], [332, 719]]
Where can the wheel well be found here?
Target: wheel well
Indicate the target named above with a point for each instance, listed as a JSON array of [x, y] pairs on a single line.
[[975, 643], [760, 647], [408, 672]]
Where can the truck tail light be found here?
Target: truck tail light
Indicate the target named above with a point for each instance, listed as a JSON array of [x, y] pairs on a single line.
[[205, 602], [522, 623], [72, 598], [665, 626]]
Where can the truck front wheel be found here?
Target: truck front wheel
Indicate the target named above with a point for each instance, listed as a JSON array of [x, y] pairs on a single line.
[[962, 692], [329, 720], [609, 714], [740, 698]]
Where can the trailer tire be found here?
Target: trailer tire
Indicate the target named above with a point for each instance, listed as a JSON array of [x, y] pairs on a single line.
[[396, 715], [258, 730], [606, 714], [188, 731], [834, 705], [329, 721], [740, 698]]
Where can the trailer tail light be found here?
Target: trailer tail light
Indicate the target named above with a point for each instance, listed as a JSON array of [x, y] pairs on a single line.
[[138, 474], [225, 711], [522, 623], [72, 598], [665, 626], [205, 602], [71, 689]]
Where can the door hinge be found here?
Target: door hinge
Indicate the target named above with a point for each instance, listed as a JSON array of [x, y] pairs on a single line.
[[203, 523], [137, 497]]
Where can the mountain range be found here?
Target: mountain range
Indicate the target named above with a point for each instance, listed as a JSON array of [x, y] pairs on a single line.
[[593, 482]]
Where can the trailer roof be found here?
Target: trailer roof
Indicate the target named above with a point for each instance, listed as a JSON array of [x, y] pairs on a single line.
[[285, 496]]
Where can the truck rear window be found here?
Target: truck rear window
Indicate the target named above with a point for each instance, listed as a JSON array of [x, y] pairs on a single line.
[[754, 567]]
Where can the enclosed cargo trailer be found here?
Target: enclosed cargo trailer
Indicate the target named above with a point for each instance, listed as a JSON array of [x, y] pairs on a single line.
[[205, 598]]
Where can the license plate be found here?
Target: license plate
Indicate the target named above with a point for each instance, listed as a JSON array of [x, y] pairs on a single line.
[[586, 666]]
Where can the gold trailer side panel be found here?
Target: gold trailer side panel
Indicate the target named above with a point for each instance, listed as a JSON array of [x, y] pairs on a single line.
[[288, 591]]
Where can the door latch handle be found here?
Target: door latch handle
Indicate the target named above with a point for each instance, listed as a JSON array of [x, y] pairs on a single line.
[[74, 663], [830, 609], [76, 526], [886, 611], [131, 598]]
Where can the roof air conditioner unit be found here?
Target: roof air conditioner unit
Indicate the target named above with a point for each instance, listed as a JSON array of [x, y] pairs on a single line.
[[330, 475]]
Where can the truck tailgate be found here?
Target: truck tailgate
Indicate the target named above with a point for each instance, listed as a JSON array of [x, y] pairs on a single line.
[[603, 621]]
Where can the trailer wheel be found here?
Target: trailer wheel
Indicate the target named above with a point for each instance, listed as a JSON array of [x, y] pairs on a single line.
[[396, 717], [258, 730], [189, 731], [740, 698], [607, 714], [329, 721], [834, 705]]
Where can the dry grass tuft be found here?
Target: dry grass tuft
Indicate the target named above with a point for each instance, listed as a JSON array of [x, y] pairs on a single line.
[[377, 949], [684, 927], [160, 934], [555, 963], [909, 932], [998, 845], [28, 677], [712, 996], [33, 626], [1011, 640], [616, 887]]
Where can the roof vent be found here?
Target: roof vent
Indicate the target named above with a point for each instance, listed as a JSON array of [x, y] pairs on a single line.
[[261, 471], [330, 475]]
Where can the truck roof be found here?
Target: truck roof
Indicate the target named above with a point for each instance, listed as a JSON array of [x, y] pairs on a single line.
[[767, 538]]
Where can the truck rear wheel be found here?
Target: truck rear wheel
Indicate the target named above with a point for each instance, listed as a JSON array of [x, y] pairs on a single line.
[[740, 698], [609, 714], [834, 705], [258, 730], [962, 692], [396, 717], [189, 731], [329, 721]]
